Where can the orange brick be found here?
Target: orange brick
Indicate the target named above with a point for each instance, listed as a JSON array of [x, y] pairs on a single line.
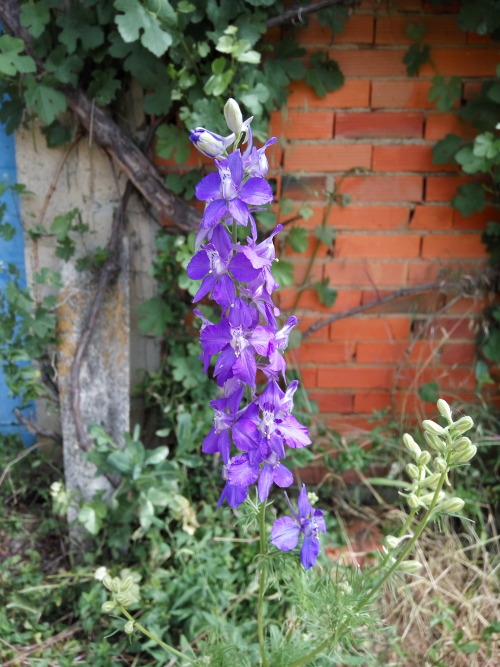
[[369, 217], [370, 62], [308, 377], [460, 378], [471, 89], [354, 377], [368, 401], [401, 95], [461, 354], [311, 223], [353, 94], [371, 328], [358, 30], [360, 273], [303, 125], [438, 30], [424, 271], [457, 328], [438, 125], [380, 353], [305, 322], [301, 269], [326, 157], [325, 353], [474, 38], [384, 188], [462, 62], [379, 124], [406, 158], [397, 246], [329, 401], [468, 305], [346, 299], [443, 188], [453, 245], [303, 187], [432, 217], [426, 302], [477, 221]]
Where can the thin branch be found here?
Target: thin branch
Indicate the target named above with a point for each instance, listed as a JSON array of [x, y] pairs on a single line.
[[31, 426], [30, 650], [297, 14]]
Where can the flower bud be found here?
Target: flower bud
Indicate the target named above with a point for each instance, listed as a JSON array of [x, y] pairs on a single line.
[[409, 566], [444, 410], [450, 506], [431, 480], [424, 459], [440, 464], [124, 599], [433, 428], [108, 606], [233, 116], [412, 471], [413, 501], [461, 444], [463, 456], [127, 584], [427, 498], [434, 441], [463, 425], [411, 445], [392, 541], [128, 628], [210, 144], [108, 582], [101, 573]]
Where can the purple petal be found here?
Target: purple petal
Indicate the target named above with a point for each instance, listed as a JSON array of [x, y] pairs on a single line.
[[199, 266], [241, 472], [309, 552], [256, 191], [215, 336], [238, 210], [205, 287], [260, 339], [245, 367], [214, 212], [285, 533], [319, 520], [222, 241], [224, 293], [246, 435], [234, 495], [224, 367], [209, 187], [294, 433], [304, 504], [242, 269], [265, 482], [217, 442], [235, 164], [282, 476]]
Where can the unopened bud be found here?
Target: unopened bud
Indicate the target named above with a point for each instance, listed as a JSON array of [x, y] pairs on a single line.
[[392, 541], [108, 606], [463, 425], [444, 410], [410, 566], [412, 471], [427, 498], [434, 441], [440, 464], [128, 628], [411, 445], [210, 144], [431, 480], [463, 456], [413, 501], [461, 444], [233, 116], [450, 506], [124, 599], [127, 584], [108, 582], [424, 459], [431, 427]]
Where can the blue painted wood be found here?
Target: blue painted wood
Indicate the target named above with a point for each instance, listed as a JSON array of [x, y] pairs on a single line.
[[11, 252]]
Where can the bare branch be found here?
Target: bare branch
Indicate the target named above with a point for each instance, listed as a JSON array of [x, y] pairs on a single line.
[[298, 13], [31, 426]]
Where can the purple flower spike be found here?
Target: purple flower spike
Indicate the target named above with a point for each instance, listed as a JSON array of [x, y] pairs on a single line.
[[308, 521]]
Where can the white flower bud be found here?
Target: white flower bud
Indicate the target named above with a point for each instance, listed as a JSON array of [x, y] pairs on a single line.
[[127, 584], [392, 541], [461, 444], [412, 471], [463, 425], [463, 456], [440, 464], [431, 427], [444, 410], [424, 459], [434, 441], [450, 506], [413, 501], [108, 606], [128, 628], [108, 582], [233, 116], [427, 498], [410, 566], [411, 445], [431, 480], [101, 573], [210, 144], [124, 599]]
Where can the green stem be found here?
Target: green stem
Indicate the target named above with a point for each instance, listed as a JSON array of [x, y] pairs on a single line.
[[404, 553], [156, 639], [262, 585]]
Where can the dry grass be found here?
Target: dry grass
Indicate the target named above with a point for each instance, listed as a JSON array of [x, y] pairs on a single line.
[[458, 591]]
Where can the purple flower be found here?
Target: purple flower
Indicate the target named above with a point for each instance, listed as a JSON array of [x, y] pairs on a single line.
[[260, 256], [255, 160], [225, 414], [226, 193], [209, 143], [286, 531], [232, 494]]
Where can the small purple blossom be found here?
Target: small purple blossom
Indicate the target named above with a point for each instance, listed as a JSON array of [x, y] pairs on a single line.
[[308, 521]]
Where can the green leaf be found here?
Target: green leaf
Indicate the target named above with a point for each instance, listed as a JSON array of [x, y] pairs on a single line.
[[283, 273], [429, 392], [324, 74], [172, 141], [78, 25], [155, 456], [485, 145], [185, 7], [491, 348], [136, 21], [298, 239], [104, 86], [482, 373], [255, 100], [46, 101], [445, 93], [334, 18], [34, 17], [325, 234], [62, 224], [469, 162], [416, 56], [91, 515], [120, 462], [444, 151], [326, 294], [470, 199], [11, 60], [56, 134], [154, 315], [415, 31]]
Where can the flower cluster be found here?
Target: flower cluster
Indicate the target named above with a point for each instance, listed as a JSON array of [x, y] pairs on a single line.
[[248, 341]]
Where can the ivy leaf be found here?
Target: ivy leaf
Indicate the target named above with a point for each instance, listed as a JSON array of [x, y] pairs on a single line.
[[445, 93], [325, 74], [482, 373], [491, 348], [416, 56], [104, 86], [63, 66], [486, 146], [415, 31], [444, 151], [255, 99], [470, 199], [11, 60], [154, 315], [34, 17], [46, 101], [91, 516], [56, 134], [298, 239], [283, 273], [469, 162], [172, 141], [78, 25], [220, 79], [334, 18], [491, 239], [136, 21], [326, 294], [325, 234], [429, 392]]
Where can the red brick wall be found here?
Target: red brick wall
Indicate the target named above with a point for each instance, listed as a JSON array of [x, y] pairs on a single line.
[[399, 229]]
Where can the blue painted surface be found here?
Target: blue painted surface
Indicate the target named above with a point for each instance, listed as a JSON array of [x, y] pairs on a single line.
[[11, 252]]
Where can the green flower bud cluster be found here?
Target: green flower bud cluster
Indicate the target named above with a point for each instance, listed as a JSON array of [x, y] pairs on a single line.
[[121, 590], [449, 448]]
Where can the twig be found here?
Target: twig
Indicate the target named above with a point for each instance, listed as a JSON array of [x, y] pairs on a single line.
[[298, 13], [20, 457], [35, 429], [61, 636]]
